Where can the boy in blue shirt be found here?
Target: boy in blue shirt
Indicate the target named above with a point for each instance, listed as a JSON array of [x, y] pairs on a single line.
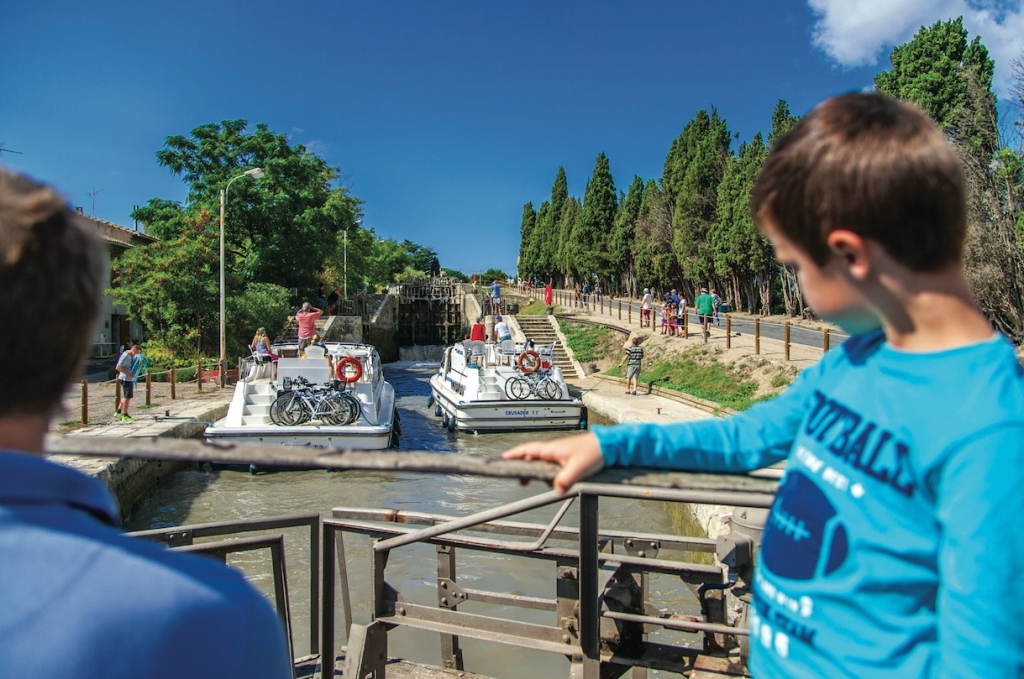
[[892, 549], [78, 598]]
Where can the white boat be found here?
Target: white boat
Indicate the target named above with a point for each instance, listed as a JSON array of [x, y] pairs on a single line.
[[484, 389], [248, 419]]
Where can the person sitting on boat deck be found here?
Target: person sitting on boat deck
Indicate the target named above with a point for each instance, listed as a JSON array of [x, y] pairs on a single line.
[[478, 333], [501, 330], [890, 550], [306, 320], [317, 342], [80, 599], [261, 347]]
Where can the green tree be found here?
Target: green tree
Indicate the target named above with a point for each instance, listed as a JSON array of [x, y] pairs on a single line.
[[278, 229], [454, 273], [935, 70], [570, 261], [656, 263], [743, 257], [622, 238], [693, 170], [527, 254], [782, 121], [597, 221]]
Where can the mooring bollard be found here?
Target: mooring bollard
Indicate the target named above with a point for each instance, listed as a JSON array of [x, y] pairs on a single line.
[[728, 331], [787, 339], [825, 341], [174, 381], [85, 402], [757, 335]]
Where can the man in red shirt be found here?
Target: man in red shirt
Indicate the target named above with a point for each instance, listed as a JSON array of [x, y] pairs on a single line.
[[477, 332], [306, 318]]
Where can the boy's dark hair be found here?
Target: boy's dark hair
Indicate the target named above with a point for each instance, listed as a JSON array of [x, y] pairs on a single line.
[[875, 166], [51, 277]]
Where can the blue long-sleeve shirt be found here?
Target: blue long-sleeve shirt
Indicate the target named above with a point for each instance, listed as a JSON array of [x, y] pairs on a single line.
[[79, 599], [893, 546]]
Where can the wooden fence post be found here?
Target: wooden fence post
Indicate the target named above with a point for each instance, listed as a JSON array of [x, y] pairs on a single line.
[[199, 374], [149, 389], [174, 381], [787, 339], [757, 335], [629, 315], [620, 309], [825, 342], [117, 394], [728, 331], [686, 324], [85, 402]]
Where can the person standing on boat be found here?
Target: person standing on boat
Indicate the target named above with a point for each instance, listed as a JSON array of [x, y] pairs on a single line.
[[501, 330], [306, 320], [79, 598], [478, 333]]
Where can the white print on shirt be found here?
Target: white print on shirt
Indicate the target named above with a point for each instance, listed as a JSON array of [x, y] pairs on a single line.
[[829, 475], [804, 606], [769, 637]]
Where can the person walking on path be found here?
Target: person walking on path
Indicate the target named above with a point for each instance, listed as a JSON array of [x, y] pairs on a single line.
[[126, 375], [586, 293], [716, 302], [634, 357], [705, 304], [645, 308], [306, 320], [79, 598], [877, 558]]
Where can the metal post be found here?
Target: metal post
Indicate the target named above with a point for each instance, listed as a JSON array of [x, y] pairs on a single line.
[[85, 402], [787, 339], [825, 341], [223, 351], [451, 654], [728, 331], [346, 268], [590, 620], [757, 335]]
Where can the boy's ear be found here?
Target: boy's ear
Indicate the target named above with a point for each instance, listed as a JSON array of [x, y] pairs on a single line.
[[852, 249]]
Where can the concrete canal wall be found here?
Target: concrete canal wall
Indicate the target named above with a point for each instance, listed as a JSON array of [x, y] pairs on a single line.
[[132, 480]]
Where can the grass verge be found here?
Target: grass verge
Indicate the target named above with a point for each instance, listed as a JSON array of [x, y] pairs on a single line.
[[586, 340]]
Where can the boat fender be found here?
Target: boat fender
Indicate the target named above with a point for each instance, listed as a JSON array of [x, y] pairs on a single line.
[[452, 421], [430, 399], [396, 426], [349, 376], [583, 417], [529, 361], [437, 410], [444, 419]]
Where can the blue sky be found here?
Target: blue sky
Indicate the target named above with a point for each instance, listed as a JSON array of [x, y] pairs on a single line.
[[444, 117]]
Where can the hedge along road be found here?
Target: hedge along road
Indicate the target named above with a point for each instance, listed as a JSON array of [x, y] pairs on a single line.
[[741, 324]]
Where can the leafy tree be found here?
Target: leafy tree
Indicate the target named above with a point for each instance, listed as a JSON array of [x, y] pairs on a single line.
[[934, 71], [492, 274], [569, 246], [527, 254], [596, 223], [422, 258], [621, 241], [782, 122], [656, 263], [547, 232], [696, 163], [278, 229], [743, 257], [262, 305]]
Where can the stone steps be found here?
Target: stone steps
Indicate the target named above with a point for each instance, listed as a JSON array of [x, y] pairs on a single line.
[[540, 330]]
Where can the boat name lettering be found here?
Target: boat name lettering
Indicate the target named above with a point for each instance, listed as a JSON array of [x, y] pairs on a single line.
[[524, 413]]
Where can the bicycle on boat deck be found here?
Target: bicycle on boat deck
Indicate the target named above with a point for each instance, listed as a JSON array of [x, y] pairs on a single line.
[[305, 402]]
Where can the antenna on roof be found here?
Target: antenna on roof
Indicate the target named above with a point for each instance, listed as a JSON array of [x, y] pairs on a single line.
[[93, 194], [3, 150]]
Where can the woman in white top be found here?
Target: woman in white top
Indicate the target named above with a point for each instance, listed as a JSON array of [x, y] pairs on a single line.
[[645, 308]]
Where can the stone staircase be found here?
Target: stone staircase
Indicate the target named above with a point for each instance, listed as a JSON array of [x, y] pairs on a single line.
[[542, 332]]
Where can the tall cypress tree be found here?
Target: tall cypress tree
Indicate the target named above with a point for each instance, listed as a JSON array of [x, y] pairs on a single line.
[[621, 241], [527, 258], [600, 204]]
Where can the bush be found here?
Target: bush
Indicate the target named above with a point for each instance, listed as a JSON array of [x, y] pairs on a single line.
[[262, 305]]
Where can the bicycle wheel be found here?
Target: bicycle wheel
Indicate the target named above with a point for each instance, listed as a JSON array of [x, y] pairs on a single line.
[[550, 390], [288, 411], [518, 388], [355, 409], [332, 409]]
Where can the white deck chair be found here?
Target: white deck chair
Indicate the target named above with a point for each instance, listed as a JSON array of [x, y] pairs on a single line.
[[507, 350], [315, 352], [477, 352]]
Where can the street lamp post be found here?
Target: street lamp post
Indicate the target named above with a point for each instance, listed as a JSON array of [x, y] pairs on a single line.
[[255, 173], [358, 222]]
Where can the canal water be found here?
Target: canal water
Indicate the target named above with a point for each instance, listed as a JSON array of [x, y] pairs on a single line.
[[199, 496]]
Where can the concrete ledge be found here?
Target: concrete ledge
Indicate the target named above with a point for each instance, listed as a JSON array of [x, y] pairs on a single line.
[[132, 480]]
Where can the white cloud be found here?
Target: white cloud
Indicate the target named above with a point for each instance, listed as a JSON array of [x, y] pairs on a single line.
[[317, 146], [860, 32]]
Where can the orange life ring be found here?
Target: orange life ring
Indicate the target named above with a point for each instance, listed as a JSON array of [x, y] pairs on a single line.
[[339, 370], [534, 361]]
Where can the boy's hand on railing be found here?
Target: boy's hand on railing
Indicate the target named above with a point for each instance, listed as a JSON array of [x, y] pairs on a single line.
[[579, 455]]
